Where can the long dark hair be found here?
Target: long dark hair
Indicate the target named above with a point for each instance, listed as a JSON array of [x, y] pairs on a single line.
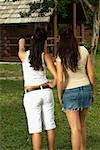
[[37, 47], [68, 50]]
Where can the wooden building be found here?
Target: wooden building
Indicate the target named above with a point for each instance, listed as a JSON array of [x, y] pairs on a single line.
[[13, 26]]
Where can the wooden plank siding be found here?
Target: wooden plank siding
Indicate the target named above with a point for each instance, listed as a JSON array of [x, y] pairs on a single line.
[[11, 35]]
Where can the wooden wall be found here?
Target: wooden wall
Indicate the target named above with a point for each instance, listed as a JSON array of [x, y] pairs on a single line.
[[9, 39], [10, 34], [2, 41]]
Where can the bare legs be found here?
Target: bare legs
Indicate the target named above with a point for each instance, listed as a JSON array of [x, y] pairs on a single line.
[[83, 129], [76, 121], [51, 139], [36, 140]]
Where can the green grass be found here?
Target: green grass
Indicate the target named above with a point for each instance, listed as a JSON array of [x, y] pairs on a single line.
[[10, 70], [13, 125]]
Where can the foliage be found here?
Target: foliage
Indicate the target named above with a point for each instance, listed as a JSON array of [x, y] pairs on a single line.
[[41, 7], [62, 8], [94, 2], [45, 5]]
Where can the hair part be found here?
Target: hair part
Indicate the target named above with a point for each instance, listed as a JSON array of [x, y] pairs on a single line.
[[68, 50]]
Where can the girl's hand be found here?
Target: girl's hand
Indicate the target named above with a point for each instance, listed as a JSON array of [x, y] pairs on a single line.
[[51, 84]]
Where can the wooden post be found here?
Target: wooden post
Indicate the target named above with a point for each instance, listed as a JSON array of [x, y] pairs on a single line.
[[46, 48], [55, 27], [82, 32], [0, 39], [55, 33], [74, 17]]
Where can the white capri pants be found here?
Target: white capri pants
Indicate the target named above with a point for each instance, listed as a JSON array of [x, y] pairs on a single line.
[[39, 108]]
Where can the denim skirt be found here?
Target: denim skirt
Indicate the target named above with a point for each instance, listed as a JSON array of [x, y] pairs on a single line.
[[77, 98]]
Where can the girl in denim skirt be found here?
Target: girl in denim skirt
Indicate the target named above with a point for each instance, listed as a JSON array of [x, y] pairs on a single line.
[[75, 81], [38, 98]]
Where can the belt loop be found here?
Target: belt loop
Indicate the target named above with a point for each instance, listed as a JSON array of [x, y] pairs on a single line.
[[41, 87]]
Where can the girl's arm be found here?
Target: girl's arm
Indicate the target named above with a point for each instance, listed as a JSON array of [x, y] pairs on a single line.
[[90, 70], [50, 65], [21, 52], [59, 77]]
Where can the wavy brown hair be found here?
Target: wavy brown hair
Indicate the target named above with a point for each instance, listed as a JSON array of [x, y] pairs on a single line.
[[68, 50], [37, 47]]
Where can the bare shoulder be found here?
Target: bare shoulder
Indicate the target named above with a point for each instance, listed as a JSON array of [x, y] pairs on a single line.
[[83, 50]]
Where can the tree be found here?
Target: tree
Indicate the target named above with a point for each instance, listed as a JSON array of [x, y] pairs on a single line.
[[94, 7]]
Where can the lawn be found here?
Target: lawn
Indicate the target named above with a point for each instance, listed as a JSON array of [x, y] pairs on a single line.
[[13, 126]]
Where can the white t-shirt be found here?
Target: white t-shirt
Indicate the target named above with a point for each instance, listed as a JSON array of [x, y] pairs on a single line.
[[78, 78], [33, 77]]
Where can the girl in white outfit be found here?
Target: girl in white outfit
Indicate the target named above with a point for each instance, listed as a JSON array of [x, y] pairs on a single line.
[[38, 98]]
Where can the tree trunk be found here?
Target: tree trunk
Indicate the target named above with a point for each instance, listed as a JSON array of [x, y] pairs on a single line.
[[89, 5], [95, 37], [96, 26]]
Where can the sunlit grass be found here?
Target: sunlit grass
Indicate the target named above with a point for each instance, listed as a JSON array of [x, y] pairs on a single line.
[[13, 125]]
